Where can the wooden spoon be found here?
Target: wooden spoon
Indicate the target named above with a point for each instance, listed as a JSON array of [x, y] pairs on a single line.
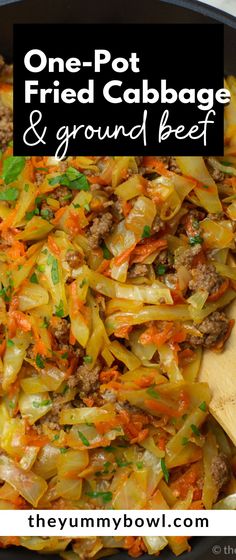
[[219, 371]]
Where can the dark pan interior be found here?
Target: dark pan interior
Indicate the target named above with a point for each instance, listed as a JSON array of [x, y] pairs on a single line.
[[121, 11]]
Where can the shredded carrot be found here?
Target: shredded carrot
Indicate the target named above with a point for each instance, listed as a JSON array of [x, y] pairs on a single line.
[[123, 332], [53, 246], [117, 261], [155, 336], [146, 248], [2, 348], [109, 375], [126, 207], [58, 215], [187, 480], [157, 165], [221, 290]]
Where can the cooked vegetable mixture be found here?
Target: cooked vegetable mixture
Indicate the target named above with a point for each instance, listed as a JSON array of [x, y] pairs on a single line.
[[115, 275]]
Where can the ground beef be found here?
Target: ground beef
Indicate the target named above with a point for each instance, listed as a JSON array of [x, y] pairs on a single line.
[[117, 210], [39, 178], [51, 419], [158, 224], [74, 258], [60, 330], [46, 211], [165, 258], [213, 329], [220, 470], [185, 258], [85, 379], [61, 193], [6, 126], [100, 229], [138, 270], [173, 166], [205, 277], [216, 174]]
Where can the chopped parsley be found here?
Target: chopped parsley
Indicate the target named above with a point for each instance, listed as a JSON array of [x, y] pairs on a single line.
[[9, 195], [37, 404], [47, 214], [106, 496], [152, 393], [121, 463], [139, 465], [195, 430], [39, 361], [11, 404], [184, 441], [41, 267], [10, 343], [83, 283], [146, 232], [45, 323], [203, 406], [73, 179], [65, 389], [106, 253], [195, 239], [88, 359], [26, 188], [160, 269], [56, 437], [87, 207], [83, 438], [63, 449], [65, 356], [12, 167], [59, 309], [165, 470], [34, 279], [226, 163], [5, 293], [30, 215], [109, 448], [55, 272]]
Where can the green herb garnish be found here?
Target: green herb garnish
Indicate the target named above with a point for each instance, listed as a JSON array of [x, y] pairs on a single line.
[[195, 430], [106, 496], [39, 361], [152, 393], [88, 359], [195, 239], [160, 269], [59, 309], [37, 404], [9, 195], [165, 470], [55, 272], [12, 167], [146, 232], [203, 406], [184, 441], [83, 438], [106, 253], [72, 179], [10, 343], [34, 279]]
